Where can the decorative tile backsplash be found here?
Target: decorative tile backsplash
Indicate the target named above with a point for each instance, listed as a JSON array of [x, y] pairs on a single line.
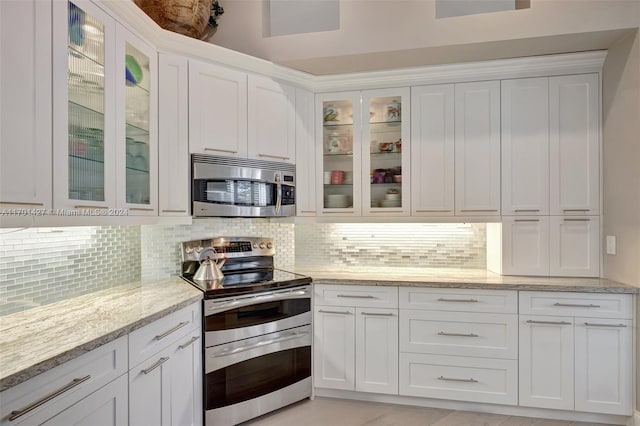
[[450, 245], [44, 265]]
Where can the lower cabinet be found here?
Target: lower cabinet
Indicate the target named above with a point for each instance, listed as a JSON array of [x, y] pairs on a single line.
[[355, 340], [576, 352]]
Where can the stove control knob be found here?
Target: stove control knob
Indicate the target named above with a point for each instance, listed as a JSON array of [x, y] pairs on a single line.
[[255, 245], [198, 249], [269, 246], [261, 245]]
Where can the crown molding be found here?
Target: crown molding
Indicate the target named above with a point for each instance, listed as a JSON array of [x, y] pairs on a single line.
[[132, 17]]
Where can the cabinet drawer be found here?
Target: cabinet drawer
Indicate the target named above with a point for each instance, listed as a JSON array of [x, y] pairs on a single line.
[[465, 300], [459, 378], [596, 305], [453, 333], [355, 295], [154, 337], [72, 381]]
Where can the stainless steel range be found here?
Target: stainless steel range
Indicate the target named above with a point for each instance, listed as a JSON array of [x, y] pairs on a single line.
[[257, 329]]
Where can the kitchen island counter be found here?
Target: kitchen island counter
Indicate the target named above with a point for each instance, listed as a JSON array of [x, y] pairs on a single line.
[[460, 278], [36, 340]]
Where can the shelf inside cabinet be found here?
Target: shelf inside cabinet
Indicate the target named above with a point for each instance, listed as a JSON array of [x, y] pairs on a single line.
[[336, 125], [83, 116], [79, 55], [339, 155]]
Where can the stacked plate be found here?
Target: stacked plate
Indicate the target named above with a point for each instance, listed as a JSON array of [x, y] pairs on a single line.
[[336, 201], [390, 200]]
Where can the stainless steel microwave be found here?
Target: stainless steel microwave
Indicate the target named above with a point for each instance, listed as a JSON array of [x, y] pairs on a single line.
[[238, 187]]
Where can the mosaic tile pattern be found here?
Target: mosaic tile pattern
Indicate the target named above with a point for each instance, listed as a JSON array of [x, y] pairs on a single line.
[[454, 245], [160, 244], [39, 266]]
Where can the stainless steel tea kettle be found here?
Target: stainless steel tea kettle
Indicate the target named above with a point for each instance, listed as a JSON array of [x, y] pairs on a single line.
[[209, 270]]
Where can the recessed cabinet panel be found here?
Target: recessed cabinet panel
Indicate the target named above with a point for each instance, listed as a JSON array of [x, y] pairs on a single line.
[[575, 246], [377, 350], [305, 154], [477, 148], [525, 245], [432, 150], [334, 347]]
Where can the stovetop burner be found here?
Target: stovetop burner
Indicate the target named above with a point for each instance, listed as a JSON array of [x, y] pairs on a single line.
[[248, 266]]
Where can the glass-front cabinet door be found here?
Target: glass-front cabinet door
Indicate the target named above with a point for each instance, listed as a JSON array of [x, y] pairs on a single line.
[[385, 152], [339, 154], [137, 176], [84, 95]]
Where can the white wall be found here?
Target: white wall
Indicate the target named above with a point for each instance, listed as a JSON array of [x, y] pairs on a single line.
[[410, 26]]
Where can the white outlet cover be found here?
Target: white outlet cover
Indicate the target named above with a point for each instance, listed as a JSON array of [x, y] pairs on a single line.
[[611, 244]]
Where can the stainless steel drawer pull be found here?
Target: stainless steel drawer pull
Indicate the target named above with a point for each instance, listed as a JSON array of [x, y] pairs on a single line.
[[91, 207], [457, 300], [307, 211], [432, 211], [14, 203], [274, 156], [168, 332], [577, 220], [334, 312], [442, 333], [526, 210], [549, 322], [576, 305], [591, 324], [21, 412], [156, 365], [354, 296], [575, 210], [193, 339], [451, 379], [140, 209], [386, 211], [375, 314], [479, 210], [221, 150], [173, 211], [527, 220]]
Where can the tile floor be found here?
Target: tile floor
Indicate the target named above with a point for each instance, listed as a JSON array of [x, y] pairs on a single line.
[[339, 412]]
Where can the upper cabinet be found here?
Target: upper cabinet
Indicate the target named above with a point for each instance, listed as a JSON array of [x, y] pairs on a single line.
[[363, 152], [105, 116], [305, 154], [574, 141], [271, 122], [432, 150], [217, 110], [25, 104], [477, 148]]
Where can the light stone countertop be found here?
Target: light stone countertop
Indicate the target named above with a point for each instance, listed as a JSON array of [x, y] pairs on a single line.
[[36, 340], [459, 278]]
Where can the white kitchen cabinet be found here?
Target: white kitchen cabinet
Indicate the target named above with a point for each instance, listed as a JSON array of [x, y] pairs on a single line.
[[603, 360], [574, 138], [173, 136], [334, 347], [305, 154], [356, 338], [525, 146], [546, 362], [165, 380], [271, 121], [432, 150], [576, 351], [477, 148], [574, 246], [217, 110], [86, 390], [25, 104]]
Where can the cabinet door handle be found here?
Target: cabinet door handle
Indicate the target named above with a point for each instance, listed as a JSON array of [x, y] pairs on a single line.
[[577, 220], [479, 210], [173, 211], [187, 344], [156, 365], [375, 314], [228, 151], [433, 211], [140, 209], [12, 203], [549, 322], [527, 220], [307, 211], [21, 412], [168, 332], [442, 299], [575, 210], [386, 211], [592, 324], [280, 157], [353, 296], [92, 207], [451, 379], [442, 333], [335, 312], [526, 210], [576, 305]]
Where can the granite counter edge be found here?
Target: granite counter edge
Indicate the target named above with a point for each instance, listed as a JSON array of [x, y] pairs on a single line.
[[82, 348]]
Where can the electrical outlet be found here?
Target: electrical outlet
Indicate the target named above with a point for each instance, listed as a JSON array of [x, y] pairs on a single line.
[[611, 244]]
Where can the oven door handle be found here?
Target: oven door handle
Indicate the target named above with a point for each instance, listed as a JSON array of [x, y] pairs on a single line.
[[282, 338], [212, 307]]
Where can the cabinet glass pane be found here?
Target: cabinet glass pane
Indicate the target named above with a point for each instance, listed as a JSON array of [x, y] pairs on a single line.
[[385, 119], [338, 154], [86, 105], [137, 103]]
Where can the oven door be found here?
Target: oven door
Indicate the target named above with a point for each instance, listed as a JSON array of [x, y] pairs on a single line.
[[251, 377], [235, 318]]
